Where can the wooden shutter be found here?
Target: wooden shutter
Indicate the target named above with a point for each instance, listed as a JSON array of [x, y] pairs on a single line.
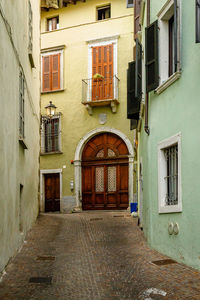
[[151, 49], [138, 71], [133, 124], [54, 23], [133, 104], [137, 7], [46, 76], [197, 21], [102, 63], [55, 65]]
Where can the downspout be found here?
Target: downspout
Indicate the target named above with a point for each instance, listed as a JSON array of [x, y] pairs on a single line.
[[146, 125]]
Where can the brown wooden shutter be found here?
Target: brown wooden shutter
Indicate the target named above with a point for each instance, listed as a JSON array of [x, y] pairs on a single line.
[[197, 21], [46, 76], [151, 49], [55, 66], [54, 23], [138, 71], [137, 7], [102, 63]]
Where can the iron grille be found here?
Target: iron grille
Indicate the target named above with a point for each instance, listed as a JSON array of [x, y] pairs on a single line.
[[171, 155], [100, 89], [50, 135]]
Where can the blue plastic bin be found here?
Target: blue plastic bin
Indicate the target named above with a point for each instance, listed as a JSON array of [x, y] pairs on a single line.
[[134, 207]]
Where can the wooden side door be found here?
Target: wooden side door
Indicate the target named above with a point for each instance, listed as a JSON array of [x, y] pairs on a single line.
[[123, 180], [52, 192]]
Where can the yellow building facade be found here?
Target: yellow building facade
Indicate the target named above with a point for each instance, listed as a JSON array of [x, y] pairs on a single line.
[[87, 148]]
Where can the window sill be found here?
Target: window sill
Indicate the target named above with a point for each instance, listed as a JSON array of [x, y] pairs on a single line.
[[22, 143], [50, 153], [57, 91], [168, 82], [170, 209]]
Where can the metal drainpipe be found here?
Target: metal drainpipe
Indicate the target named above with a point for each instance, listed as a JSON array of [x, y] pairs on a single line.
[[146, 125]]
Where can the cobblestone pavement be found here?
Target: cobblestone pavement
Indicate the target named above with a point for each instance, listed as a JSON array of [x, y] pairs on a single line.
[[93, 256]]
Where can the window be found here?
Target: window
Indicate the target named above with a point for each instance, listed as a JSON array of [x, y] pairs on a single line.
[[30, 37], [129, 3], [50, 135], [103, 12], [52, 71], [197, 21], [169, 40], [30, 45], [21, 105], [169, 175], [53, 23]]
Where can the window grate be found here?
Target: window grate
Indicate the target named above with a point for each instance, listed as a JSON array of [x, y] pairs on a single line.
[[50, 135], [171, 156]]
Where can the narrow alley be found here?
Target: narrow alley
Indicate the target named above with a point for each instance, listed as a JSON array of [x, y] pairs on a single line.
[[93, 256]]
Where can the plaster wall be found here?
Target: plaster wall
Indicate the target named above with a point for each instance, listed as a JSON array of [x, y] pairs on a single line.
[[18, 166], [175, 110], [76, 122]]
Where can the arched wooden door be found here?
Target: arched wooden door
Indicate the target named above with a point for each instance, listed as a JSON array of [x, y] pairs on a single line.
[[105, 173]]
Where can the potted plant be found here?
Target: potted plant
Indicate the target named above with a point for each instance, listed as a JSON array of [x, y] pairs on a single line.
[[98, 77]]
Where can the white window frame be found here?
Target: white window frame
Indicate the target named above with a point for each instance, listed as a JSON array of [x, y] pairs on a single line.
[[58, 116], [98, 43], [61, 69], [163, 18], [162, 172], [128, 5]]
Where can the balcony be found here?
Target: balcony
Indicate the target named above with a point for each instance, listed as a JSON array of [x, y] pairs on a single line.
[[100, 92]]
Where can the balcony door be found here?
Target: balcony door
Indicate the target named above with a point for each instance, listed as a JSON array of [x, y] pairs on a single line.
[[105, 173], [102, 63]]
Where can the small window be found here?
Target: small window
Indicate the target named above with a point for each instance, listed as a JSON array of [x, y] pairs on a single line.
[[169, 175], [171, 157], [103, 12], [21, 105], [129, 3], [50, 135], [53, 23]]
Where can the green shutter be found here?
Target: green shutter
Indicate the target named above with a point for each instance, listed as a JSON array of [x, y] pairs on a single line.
[[197, 21], [133, 104], [175, 36], [133, 124], [138, 71], [151, 49]]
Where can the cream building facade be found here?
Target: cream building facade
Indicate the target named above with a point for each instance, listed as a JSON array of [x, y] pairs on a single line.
[[19, 125], [87, 148]]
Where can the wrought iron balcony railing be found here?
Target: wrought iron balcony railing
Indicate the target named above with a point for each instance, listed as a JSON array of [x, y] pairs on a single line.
[[100, 89]]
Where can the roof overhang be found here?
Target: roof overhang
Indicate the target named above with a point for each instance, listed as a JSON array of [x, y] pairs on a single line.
[[55, 4]]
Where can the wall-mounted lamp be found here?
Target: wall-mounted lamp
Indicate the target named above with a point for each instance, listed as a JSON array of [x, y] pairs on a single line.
[[50, 109]]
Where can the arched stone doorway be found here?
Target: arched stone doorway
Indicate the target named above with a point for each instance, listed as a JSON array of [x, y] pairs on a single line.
[[78, 161], [105, 173]]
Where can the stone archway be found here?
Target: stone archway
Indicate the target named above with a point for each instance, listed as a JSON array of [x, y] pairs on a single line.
[[78, 161]]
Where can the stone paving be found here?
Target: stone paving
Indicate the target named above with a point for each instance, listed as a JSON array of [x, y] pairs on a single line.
[[93, 256]]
